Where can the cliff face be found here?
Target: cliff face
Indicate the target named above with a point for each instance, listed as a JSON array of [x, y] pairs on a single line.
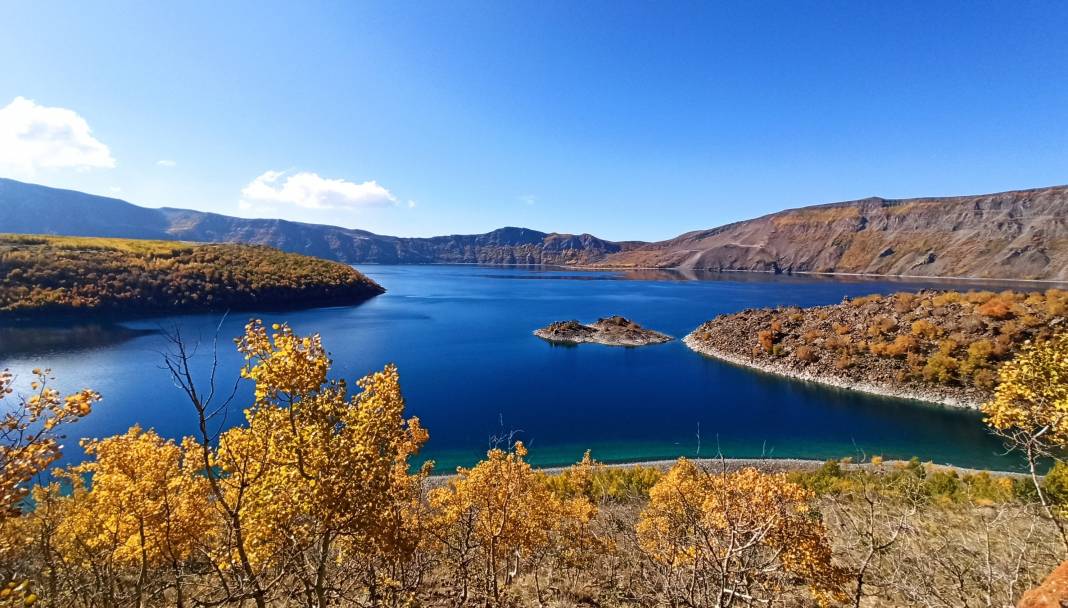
[[1019, 235]]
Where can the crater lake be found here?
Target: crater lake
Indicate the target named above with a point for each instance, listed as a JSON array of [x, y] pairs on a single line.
[[472, 371]]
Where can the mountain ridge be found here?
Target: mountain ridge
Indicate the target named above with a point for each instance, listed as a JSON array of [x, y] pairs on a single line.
[[1017, 234]]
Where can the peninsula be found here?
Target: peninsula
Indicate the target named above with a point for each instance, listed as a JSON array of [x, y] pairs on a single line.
[[937, 346], [49, 275]]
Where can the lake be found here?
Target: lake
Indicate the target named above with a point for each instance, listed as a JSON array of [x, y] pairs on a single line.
[[472, 371]]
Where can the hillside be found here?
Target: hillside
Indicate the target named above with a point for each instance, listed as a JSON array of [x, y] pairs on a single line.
[[34, 209], [66, 275], [1009, 235], [1021, 234], [942, 347]]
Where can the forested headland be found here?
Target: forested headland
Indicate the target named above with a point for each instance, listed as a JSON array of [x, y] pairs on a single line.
[[312, 501], [50, 275]]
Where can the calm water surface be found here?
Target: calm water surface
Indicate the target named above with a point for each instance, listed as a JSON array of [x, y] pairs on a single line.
[[471, 370]]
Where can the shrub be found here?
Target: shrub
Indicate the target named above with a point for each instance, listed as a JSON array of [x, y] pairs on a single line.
[[941, 368], [766, 339], [806, 354], [871, 299], [996, 308], [945, 298], [984, 379], [1055, 484], [942, 484], [922, 328], [978, 357], [904, 302], [901, 346]]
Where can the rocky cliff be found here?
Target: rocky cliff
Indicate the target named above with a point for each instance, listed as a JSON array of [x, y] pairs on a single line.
[[1016, 235]]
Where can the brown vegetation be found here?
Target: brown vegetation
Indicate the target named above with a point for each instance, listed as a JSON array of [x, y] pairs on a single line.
[[947, 343]]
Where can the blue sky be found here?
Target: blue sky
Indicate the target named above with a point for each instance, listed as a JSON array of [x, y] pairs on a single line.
[[628, 120]]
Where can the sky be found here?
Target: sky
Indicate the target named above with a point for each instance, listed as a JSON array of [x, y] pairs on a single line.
[[627, 120]]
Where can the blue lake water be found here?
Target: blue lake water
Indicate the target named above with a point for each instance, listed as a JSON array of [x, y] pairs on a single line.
[[471, 370]]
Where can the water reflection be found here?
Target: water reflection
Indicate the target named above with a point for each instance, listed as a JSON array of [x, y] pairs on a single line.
[[37, 339]]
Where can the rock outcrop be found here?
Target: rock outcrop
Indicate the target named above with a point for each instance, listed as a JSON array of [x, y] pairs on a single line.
[[1052, 593], [611, 331]]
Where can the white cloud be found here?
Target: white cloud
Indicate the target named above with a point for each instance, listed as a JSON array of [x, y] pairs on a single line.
[[412, 204], [166, 163], [35, 137], [309, 190], [116, 189], [528, 199]]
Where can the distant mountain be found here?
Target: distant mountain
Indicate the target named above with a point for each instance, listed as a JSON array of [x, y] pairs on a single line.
[[1021, 234], [35, 209]]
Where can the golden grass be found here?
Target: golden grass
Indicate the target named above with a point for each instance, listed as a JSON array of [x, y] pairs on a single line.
[[136, 246]]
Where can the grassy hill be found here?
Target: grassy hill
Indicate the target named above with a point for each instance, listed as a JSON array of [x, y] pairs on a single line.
[[63, 275]]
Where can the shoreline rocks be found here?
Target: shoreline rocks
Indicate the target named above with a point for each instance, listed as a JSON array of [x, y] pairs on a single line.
[[941, 347], [927, 395], [610, 331]]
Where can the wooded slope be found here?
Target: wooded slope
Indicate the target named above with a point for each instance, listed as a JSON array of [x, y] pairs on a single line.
[[49, 275]]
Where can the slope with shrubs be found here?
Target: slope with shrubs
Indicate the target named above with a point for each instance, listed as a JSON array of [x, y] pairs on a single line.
[[311, 501], [938, 346], [63, 275]]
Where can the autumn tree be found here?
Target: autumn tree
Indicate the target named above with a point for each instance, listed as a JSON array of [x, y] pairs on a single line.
[[314, 474], [31, 431], [148, 494], [735, 538], [500, 519], [1030, 409]]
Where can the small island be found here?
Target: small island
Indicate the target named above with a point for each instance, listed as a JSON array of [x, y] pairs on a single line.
[[610, 331]]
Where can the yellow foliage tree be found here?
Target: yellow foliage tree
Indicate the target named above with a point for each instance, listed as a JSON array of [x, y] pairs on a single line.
[[150, 497], [735, 538], [30, 432], [503, 516], [1030, 407], [318, 467]]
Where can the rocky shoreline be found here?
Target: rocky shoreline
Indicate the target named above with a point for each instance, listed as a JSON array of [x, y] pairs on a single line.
[[932, 395], [610, 331]]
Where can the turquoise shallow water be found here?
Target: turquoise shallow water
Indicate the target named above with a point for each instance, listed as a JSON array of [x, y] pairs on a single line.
[[472, 371]]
